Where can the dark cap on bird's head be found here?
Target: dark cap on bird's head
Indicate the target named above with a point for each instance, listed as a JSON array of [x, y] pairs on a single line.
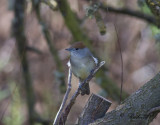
[[77, 45]]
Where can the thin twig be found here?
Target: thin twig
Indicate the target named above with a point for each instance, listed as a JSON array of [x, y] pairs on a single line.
[[120, 50], [64, 115], [65, 97]]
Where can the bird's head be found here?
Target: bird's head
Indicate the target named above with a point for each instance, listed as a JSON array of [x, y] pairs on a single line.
[[78, 49]]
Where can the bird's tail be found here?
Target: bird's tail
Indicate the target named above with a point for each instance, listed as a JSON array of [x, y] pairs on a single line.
[[85, 89]]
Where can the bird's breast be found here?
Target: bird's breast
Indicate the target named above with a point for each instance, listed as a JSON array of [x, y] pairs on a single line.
[[81, 68]]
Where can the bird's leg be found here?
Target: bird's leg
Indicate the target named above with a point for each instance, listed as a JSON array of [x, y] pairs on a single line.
[[92, 71], [85, 90], [80, 85]]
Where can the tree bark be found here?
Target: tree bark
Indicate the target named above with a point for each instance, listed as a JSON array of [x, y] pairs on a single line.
[[135, 110], [95, 108]]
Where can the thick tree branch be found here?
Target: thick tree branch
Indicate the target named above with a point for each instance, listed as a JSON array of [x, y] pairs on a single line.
[[134, 110], [95, 108]]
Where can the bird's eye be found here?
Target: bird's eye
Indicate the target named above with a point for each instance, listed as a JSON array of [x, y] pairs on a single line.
[[76, 48]]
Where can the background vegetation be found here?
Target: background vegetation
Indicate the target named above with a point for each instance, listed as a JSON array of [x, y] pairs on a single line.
[[33, 38]]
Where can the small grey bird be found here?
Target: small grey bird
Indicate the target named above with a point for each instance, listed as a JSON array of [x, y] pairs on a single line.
[[82, 63]]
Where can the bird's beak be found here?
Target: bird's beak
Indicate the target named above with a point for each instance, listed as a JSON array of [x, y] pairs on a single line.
[[68, 49]]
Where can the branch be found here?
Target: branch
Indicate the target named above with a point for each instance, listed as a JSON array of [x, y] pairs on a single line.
[[72, 23], [18, 32], [138, 109], [95, 108], [33, 49], [64, 115], [52, 49], [129, 12], [42, 121], [65, 97], [51, 3]]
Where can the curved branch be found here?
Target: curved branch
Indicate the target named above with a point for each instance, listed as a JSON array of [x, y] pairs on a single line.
[[129, 12]]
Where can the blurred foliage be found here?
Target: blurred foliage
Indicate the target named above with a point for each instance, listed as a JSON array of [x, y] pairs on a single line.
[[15, 116], [59, 79], [71, 22], [90, 10], [154, 5], [112, 90], [100, 23], [157, 37], [109, 87], [144, 7], [149, 7], [155, 30], [141, 3], [4, 94], [3, 62], [93, 11], [51, 3]]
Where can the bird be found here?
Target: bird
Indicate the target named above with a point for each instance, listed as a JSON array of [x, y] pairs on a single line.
[[81, 62]]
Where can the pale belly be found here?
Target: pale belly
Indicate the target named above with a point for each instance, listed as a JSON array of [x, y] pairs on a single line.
[[82, 68]]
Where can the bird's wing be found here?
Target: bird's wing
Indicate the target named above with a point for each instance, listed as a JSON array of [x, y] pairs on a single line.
[[69, 64], [95, 59]]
